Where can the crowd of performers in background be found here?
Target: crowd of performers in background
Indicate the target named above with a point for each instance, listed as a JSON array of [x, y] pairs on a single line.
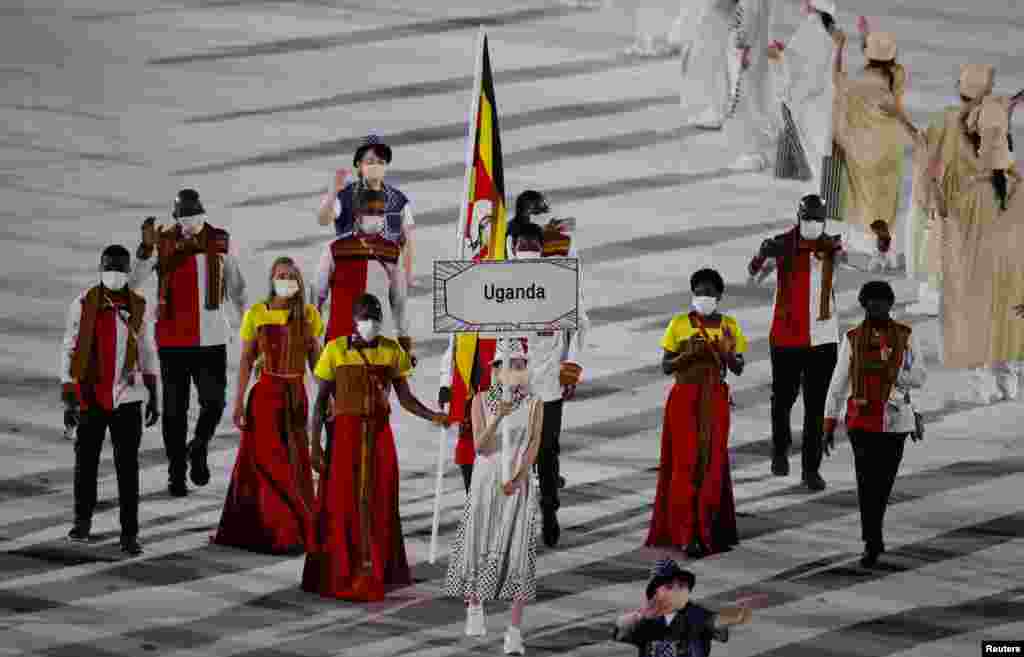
[[842, 129], [843, 134]]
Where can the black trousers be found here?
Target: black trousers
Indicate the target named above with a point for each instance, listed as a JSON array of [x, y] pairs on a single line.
[[877, 457], [547, 458], [180, 367], [793, 368], [125, 425]]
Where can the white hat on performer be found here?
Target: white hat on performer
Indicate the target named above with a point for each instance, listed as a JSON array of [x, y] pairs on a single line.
[[881, 46], [826, 6]]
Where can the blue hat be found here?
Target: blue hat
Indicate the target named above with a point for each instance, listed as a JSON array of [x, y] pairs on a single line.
[[665, 571], [372, 141]]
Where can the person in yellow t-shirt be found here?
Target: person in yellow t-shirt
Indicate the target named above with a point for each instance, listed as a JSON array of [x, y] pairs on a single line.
[[269, 506], [694, 508], [360, 553]]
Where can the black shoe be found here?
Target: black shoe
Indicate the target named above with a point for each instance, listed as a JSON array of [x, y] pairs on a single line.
[[780, 465], [200, 469], [78, 534], [177, 488], [870, 557], [814, 481], [696, 549], [551, 530], [131, 546]]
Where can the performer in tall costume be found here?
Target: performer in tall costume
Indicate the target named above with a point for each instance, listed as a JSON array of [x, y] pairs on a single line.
[[751, 113], [196, 273], [373, 222], [494, 556], [873, 129], [804, 334], [359, 553], [671, 624], [803, 85], [879, 363], [694, 508], [704, 68], [269, 505], [968, 158], [107, 358]]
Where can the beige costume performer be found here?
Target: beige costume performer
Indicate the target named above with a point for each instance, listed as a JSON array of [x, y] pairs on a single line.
[[921, 236], [981, 274], [872, 128]]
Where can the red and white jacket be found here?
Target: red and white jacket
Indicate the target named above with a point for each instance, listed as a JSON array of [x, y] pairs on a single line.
[[192, 325], [795, 323], [111, 339], [898, 416]]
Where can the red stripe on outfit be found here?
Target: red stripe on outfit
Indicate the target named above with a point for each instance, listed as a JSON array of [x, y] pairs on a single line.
[[102, 391], [791, 324], [181, 328], [347, 284], [681, 511]]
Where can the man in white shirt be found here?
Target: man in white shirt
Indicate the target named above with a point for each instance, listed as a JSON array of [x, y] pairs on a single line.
[[108, 365], [554, 372]]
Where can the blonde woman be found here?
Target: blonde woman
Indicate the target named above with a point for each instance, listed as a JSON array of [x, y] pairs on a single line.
[[270, 498]]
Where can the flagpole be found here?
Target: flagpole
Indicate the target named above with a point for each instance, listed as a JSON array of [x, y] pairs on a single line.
[[474, 108], [460, 225]]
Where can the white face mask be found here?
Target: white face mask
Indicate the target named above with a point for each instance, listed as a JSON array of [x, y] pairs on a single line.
[[812, 228], [285, 287], [374, 171], [190, 224], [368, 329], [114, 280], [705, 305]]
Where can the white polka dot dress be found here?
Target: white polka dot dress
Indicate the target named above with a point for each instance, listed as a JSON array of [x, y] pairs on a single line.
[[494, 555]]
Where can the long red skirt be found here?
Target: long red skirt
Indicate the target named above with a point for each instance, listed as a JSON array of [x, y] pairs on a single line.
[[681, 512], [333, 564], [349, 284], [265, 510]]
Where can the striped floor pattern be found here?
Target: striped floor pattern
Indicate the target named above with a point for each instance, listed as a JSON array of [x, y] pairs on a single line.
[[113, 107]]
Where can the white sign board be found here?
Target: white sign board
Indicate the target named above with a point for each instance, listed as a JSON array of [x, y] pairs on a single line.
[[506, 296]]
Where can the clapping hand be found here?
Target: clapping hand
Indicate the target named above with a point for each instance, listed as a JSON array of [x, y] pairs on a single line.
[[839, 38]]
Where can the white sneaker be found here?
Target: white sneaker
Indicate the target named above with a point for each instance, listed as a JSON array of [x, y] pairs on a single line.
[[475, 620], [749, 162], [514, 642], [1007, 381], [708, 120]]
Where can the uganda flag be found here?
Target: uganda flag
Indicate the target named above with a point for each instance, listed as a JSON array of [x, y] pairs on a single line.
[[485, 182]]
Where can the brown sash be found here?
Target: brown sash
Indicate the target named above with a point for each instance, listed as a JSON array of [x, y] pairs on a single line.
[[895, 337], [825, 249], [85, 366], [173, 250], [366, 247], [709, 370]]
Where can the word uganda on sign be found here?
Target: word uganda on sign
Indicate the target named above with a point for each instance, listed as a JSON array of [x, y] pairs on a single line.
[[502, 296]]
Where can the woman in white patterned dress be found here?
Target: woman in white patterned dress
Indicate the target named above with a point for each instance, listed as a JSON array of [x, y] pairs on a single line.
[[494, 556]]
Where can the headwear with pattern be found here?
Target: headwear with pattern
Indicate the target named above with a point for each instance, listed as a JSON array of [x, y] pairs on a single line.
[[372, 141]]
